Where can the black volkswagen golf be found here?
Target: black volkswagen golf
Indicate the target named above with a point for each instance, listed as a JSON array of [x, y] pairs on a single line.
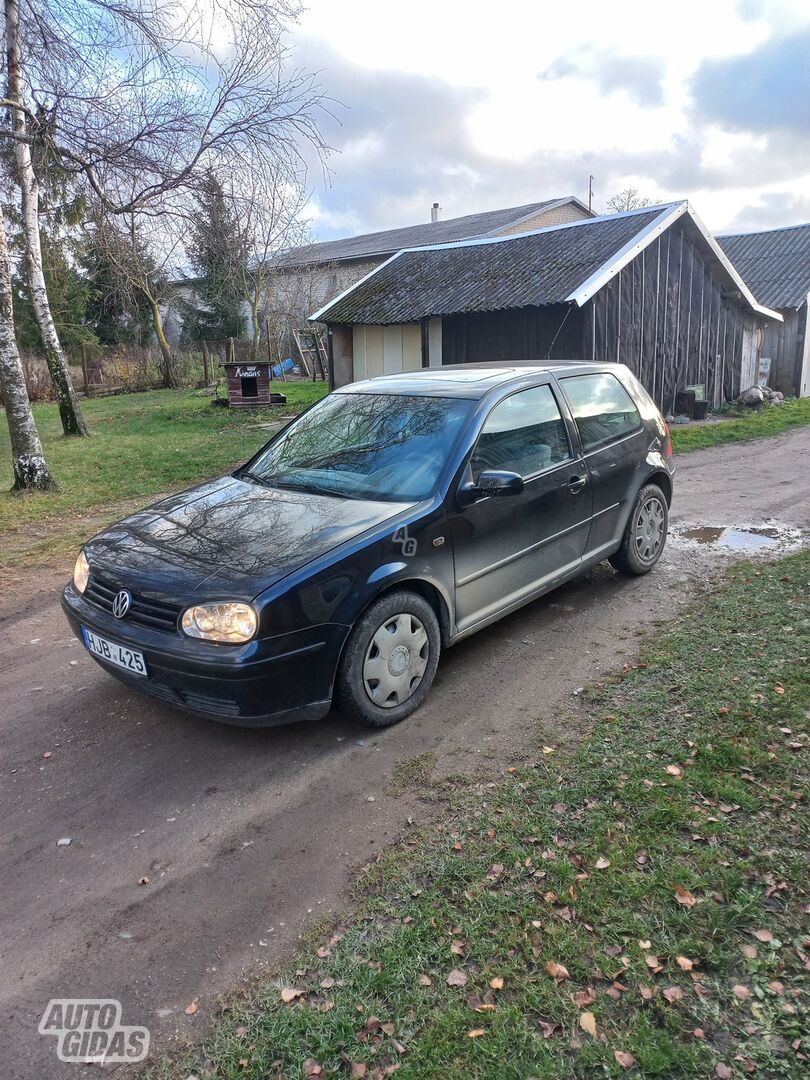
[[389, 521]]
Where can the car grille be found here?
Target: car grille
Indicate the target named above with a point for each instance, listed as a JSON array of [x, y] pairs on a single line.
[[155, 614]]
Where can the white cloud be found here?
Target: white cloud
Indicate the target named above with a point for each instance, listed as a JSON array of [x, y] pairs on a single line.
[[481, 106]]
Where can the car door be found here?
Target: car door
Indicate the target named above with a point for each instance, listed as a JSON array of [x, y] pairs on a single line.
[[614, 444], [507, 548]]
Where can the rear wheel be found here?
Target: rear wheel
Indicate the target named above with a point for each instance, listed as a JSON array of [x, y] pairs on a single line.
[[390, 660], [645, 534]]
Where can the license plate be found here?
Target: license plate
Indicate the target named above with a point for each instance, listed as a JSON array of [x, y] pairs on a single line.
[[129, 659]]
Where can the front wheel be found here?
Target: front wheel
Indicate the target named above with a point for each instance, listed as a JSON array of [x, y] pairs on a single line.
[[389, 661], [645, 535]]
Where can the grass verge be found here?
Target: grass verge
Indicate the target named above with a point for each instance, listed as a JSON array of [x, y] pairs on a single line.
[[751, 425], [631, 907], [141, 445]]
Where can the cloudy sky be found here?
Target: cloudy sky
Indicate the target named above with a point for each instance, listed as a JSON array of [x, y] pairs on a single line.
[[480, 106]]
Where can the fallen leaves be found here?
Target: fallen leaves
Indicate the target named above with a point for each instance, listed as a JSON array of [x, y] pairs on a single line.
[[425, 980], [623, 1058], [587, 1021], [674, 770], [722, 1071], [684, 963], [602, 863], [555, 970], [456, 978], [584, 997], [290, 993], [673, 994], [740, 992], [191, 1009], [476, 1033], [762, 935], [684, 897], [653, 963], [496, 983]]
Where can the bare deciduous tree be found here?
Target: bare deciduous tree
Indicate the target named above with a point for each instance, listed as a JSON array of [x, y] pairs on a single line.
[[627, 199], [27, 458], [124, 241], [270, 214], [142, 97]]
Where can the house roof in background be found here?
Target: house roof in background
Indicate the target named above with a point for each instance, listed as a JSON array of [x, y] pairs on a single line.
[[558, 264], [440, 232], [775, 264]]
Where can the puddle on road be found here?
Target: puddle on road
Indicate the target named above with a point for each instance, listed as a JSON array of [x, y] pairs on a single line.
[[754, 539]]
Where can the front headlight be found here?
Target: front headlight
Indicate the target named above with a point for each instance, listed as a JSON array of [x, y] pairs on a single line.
[[220, 622], [81, 572]]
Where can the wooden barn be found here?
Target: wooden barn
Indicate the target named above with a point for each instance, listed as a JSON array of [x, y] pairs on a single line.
[[649, 288], [775, 265]]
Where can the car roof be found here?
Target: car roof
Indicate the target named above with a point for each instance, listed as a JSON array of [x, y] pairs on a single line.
[[468, 380]]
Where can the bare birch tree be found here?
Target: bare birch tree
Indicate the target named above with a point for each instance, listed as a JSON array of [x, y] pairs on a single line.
[[140, 98], [66, 400], [27, 458]]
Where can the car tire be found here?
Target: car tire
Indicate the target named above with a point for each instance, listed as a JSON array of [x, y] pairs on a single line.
[[389, 661], [645, 535]]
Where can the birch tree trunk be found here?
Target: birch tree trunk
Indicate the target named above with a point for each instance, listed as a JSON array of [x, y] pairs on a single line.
[[70, 414], [28, 461]]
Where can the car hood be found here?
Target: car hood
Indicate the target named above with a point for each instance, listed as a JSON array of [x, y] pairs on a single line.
[[230, 535]]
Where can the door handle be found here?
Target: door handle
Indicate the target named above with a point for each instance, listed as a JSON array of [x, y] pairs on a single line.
[[577, 483]]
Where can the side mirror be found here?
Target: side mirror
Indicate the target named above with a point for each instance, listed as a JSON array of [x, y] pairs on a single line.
[[492, 482]]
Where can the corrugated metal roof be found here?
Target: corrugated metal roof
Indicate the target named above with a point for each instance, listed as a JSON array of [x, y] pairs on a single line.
[[775, 265], [432, 232], [533, 269]]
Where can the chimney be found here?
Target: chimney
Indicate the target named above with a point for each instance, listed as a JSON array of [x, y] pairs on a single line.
[[435, 212]]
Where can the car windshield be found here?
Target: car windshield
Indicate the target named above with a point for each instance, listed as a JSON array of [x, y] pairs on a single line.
[[367, 446]]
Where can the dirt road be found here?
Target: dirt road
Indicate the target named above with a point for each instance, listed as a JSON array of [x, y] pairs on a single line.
[[245, 837]]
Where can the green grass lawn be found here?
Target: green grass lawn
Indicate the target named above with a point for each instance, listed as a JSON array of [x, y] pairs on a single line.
[[141, 445], [636, 904], [751, 425]]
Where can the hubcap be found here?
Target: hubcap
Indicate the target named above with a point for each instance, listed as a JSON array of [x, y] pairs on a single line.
[[396, 660], [650, 529]]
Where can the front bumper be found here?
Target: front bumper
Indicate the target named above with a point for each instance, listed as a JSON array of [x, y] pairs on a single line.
[[264, 682]]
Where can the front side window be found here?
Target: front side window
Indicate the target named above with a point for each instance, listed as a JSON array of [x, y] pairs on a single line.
[[390, 447], [524, 433], [602, 408]]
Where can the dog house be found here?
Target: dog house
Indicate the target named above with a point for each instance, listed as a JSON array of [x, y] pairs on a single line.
[[249, 385]]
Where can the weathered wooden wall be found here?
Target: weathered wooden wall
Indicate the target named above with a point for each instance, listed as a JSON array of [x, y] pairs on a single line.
[[784, 343], [667, 315]]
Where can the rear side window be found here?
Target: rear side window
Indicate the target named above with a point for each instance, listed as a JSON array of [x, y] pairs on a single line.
[[524, 433], [602, 408]]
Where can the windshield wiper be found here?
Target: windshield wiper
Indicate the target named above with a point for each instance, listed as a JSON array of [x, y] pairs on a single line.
[[248, 475], [314, 489]]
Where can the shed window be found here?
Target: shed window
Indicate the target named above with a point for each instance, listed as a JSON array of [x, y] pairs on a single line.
[[524, 433], [250, 387], [602, 408]]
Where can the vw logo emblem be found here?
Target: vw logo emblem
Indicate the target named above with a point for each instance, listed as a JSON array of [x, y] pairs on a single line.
[[121, 604]]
